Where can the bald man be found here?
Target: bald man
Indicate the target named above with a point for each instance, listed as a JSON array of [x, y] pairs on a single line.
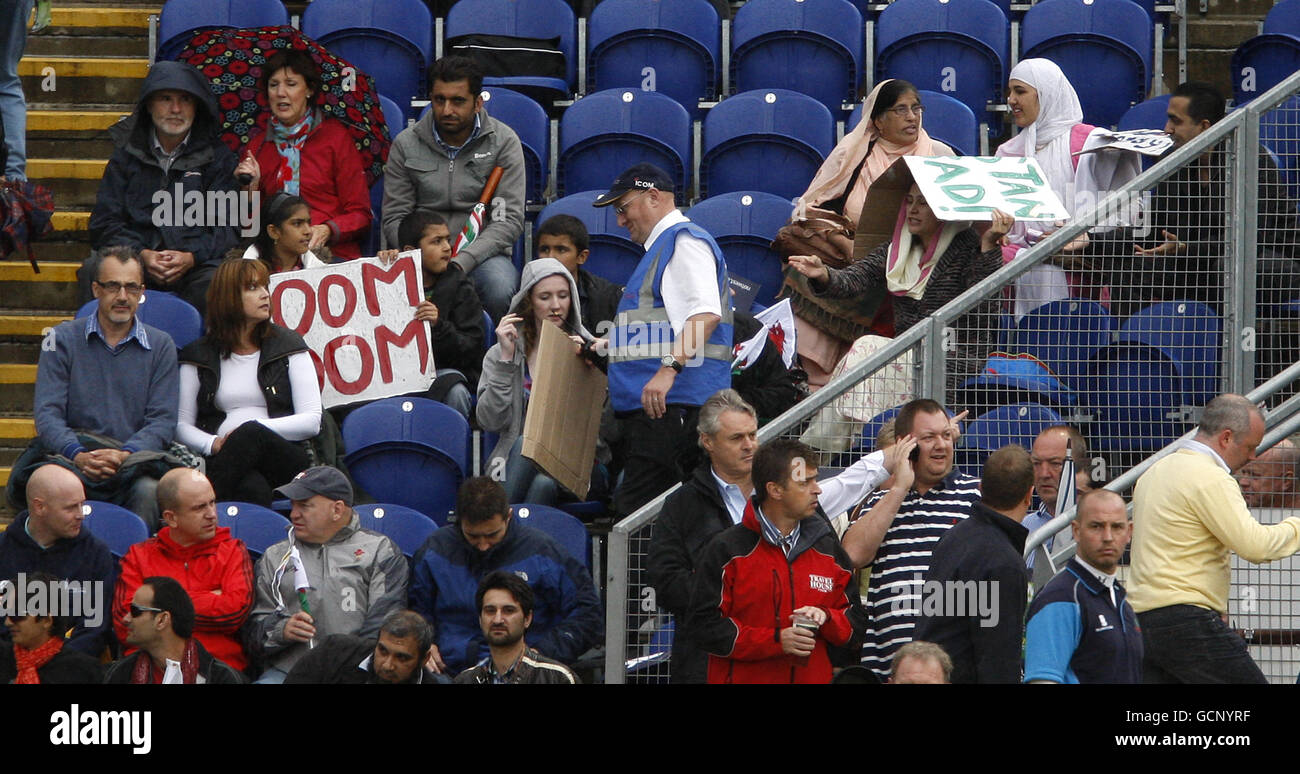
[[1268, 481], [212, 566], [48, 537]]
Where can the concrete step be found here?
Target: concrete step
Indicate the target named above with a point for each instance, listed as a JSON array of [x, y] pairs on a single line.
[[1220, 32], [53, 290], [17, 429], [1219, 8], [74, 181], [17, 389], [28, 324], [77, 80]]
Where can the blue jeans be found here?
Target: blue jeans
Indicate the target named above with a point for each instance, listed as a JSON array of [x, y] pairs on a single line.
[[496, 280], [457, 397], [271, 676], [1190, 644], [13, 106], [525, 483]]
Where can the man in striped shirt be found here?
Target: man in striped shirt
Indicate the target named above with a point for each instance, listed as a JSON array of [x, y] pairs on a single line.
[[895, 530]]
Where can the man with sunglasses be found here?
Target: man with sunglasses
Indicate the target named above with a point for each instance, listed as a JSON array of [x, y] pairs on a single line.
[[670, 348], [160, 622], [106, 388]]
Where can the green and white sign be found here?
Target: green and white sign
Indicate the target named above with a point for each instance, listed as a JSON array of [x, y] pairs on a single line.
[[971, 187]]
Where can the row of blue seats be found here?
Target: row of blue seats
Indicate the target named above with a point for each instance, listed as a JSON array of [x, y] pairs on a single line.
[[960, 47], [1267, 59]]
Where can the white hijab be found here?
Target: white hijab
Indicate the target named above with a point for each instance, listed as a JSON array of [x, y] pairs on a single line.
[[1047, 139]]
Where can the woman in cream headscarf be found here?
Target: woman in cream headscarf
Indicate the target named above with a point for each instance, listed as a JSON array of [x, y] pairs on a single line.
[[890, 128], [1046, 108]]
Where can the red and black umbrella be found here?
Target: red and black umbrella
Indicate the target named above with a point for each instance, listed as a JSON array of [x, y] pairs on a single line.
[[232, 62]]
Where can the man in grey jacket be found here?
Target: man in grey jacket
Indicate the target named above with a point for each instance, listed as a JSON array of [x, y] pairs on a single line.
[[442, 164], [329, 577]]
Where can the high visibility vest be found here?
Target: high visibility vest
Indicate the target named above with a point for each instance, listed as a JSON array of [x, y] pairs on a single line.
[[642, 334]]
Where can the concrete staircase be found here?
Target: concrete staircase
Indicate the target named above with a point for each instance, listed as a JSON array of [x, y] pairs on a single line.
[[80, 75], [1212, 36]]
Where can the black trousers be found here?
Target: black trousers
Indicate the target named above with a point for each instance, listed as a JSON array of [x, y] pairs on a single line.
[[655, 454], [254, 461], [1190, 644]]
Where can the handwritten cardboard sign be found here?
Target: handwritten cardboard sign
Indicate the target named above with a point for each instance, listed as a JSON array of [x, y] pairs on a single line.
[[971, 187], [358, 318], [1149, 142]]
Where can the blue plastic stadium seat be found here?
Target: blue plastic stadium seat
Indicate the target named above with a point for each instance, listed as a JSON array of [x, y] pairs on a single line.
[[1151, 114], [259, 528], [406, 421], [117, 527], [613, 254], [744, 223], [1279, 132], [601, 132], [1187, 333], [565, 529], [1104, 47], [489, 331], [541, 19], [749, 135], [529, 121], [1284, 17], [1263, 62], [407, 527], [1019, 423], [811, 46], [395, 119], [182, 19], [163, 310], [946, 119], [959, 49], [389, 40], [671, 46]]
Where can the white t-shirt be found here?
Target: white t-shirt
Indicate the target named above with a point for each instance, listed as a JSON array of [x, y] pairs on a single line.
[[240, 397], [690, 284]]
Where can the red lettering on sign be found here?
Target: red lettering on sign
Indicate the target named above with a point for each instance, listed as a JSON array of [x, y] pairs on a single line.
[[309, 305], [320, 369], [372, 273], [332, 368], [415, 331], [349, 300]]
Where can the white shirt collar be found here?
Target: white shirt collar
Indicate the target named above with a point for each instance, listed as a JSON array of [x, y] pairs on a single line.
[[673, 217], [1196, 445], [1106, 580]]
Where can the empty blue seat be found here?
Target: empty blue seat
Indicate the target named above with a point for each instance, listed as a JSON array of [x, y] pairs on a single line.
[[1019, 423], [749, 136], [259, 528], [117, 527], [539, 19], [389, 40], [407, 527], [669, 46], [810, 46], [1283, 17], [565, 529], [1187, 333], [1103, 47], [959, 49], [1151, 114], [1279, 132], [407, 422], [163, 310], [415, 476], [946, 119], [601, 132], [529, 121], [744, 223], [613, 254], [395, 120], [181, 19], [1263, 62]]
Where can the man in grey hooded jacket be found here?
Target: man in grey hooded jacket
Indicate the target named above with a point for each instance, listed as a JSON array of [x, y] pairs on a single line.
[[442, 164], [169, 188]]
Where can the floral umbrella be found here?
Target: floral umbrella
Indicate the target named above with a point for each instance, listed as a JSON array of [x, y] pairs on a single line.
[[232, 60]]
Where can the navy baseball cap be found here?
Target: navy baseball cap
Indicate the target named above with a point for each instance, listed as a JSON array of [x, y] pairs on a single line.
[[638, 178], [329, 482]]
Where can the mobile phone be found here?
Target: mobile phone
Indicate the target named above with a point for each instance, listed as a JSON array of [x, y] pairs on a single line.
[[915, 454]]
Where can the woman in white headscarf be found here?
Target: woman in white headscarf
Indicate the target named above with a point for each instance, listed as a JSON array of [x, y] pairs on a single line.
[[890, 128], [1046, 108]]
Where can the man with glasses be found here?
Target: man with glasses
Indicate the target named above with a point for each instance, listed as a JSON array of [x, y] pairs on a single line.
[[106, 387], [160, 622], [671, 343]]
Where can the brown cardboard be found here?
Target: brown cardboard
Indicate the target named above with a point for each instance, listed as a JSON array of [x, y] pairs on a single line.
[[880, 210], [564, 411]]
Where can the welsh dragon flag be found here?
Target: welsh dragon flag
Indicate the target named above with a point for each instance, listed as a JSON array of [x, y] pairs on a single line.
[[474, 224]]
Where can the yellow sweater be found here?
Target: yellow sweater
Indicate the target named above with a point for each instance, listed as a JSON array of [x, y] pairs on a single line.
[[1187, 513]]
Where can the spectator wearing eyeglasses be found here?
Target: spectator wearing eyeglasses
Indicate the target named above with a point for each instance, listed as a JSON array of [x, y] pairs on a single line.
[[107, 389]]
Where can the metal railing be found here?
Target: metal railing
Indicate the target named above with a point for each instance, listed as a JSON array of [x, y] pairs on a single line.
[[1131, 349]]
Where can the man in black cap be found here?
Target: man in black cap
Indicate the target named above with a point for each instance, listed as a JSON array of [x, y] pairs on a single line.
[[329, 577], [670, 348]]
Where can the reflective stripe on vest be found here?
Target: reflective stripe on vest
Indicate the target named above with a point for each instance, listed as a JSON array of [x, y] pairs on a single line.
[[642, 335]]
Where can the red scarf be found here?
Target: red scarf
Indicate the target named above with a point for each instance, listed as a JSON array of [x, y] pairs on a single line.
[[146, 673], [31, 660]]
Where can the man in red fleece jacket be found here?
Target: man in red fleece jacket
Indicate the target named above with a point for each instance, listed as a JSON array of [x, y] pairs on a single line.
[[213, 567]]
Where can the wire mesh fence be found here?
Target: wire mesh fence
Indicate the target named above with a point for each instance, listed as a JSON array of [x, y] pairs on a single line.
[[1123, 322]]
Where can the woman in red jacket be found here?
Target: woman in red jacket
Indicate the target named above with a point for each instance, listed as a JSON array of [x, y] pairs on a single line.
[[306, 153]]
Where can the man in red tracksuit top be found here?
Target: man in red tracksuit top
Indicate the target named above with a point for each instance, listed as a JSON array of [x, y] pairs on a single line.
[[212, 566], [783, 560]]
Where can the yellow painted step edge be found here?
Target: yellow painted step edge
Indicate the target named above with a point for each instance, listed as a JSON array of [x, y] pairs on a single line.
[[116, 18], [16, 373], [17, 428], [4, 481], [71, 120], [84, 67], [28, 325], [51, 271], [66, 169], [71, 220]]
